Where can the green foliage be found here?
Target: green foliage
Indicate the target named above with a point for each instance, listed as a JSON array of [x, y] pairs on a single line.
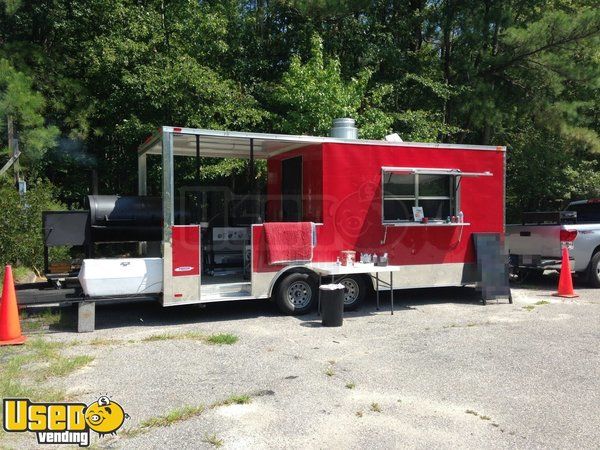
[[19, 100], [583, 179], [21, 223], [554, 62], [108, 72], [20, 275], [11, 5], [543, 177], [310, 95]]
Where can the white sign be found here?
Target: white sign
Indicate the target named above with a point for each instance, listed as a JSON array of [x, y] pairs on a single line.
[[418, 213]]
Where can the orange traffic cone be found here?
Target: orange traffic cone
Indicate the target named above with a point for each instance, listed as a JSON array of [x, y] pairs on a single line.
[[565, 282], [10, 328]]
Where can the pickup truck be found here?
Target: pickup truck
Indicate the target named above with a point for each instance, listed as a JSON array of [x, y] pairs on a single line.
[[535, 244]]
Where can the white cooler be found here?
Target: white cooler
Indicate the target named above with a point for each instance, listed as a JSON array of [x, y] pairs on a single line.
[[121, 276]]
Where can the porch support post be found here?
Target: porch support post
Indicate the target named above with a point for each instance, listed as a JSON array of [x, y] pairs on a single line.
[[142, 190], [252, 185], [142, 170], [168, 182], [198, 160], [168, 198]]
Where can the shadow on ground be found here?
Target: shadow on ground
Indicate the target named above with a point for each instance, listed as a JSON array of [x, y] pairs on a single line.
[[148, 314], [546, 282]]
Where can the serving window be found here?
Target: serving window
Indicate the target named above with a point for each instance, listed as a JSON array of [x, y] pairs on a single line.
[[435, 190], [435, 193]]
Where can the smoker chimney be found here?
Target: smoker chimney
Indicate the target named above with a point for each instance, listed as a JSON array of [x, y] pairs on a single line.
[[344, 129]]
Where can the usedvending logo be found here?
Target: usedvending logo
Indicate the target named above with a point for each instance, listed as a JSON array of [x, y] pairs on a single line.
[[63, 423]]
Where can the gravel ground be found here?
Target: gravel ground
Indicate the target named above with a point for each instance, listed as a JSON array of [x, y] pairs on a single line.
[[443, 371]]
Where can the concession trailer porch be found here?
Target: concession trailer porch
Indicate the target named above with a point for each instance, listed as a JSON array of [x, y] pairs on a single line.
[[323, 196]]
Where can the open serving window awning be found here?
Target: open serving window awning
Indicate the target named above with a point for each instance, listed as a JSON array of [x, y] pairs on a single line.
[[236, 144], [225, 144], [433, 171]]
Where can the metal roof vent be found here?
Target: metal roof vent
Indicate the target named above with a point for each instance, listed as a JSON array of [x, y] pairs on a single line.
[[344, 129], [394, 137]]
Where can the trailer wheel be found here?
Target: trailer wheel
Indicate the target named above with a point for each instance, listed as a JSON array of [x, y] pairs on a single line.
[[594, 275], [356, 291], [296, 294]]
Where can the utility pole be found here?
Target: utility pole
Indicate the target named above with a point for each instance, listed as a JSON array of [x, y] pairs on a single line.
[[13, 148]]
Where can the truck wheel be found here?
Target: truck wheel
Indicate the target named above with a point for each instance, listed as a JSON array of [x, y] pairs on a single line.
[[296, 294], [356, 291], [594, 275]]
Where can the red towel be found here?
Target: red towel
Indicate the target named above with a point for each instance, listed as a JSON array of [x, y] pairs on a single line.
[[289, 242]]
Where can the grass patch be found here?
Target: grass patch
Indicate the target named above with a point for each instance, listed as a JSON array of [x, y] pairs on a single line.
[[63, 366], [213, 440], [22, 368], [176, 415], [39, 319], [350, 385], [99, 342], [215, 339], [375, 407], [330, 372], [485, 417], [528, 308], [183, 413], [359, 413], [162, 337], [233, 400], [542, 302], [222, 339], [20, 274]]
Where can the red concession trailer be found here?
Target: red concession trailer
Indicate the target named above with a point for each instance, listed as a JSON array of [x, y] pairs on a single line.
[[323, 196]]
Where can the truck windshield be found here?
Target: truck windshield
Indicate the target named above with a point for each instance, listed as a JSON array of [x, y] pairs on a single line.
[[586, 212]]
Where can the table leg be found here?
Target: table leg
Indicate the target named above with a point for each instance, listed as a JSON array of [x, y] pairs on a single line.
[[377, 288], [392, 290]]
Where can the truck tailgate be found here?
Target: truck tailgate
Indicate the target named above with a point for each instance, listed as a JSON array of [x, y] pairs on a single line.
[[542, 240]]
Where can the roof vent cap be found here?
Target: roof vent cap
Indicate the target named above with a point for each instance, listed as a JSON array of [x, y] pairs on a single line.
[[344, 128]]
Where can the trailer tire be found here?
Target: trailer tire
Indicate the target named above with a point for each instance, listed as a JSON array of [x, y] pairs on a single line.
[[356, 291], [296, 293], [594, 271]]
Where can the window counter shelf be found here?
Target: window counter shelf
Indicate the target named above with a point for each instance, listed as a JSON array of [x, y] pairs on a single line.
[[428, 224]]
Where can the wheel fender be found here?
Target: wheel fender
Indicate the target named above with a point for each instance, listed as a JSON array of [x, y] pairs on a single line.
[[287, 270]]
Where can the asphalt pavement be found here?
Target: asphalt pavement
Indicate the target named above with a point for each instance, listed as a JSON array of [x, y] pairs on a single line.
[[443, 372]]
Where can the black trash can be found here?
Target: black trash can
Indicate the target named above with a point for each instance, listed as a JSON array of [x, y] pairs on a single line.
[[332, 304]]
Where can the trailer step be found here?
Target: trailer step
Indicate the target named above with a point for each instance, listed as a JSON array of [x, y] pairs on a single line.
[[232, 296], [226, 289]]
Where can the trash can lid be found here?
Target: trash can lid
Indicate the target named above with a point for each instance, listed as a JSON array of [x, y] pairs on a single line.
[[332, 287]]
